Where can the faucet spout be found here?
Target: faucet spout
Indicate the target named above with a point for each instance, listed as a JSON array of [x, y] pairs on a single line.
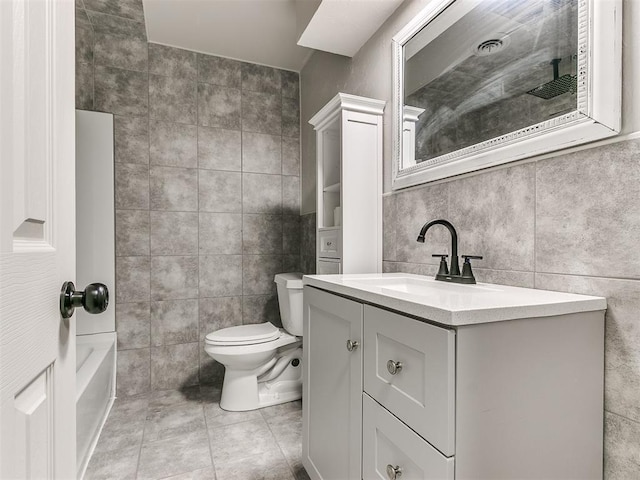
[[455, 267]]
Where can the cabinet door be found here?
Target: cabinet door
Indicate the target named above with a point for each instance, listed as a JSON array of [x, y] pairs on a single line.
[[420, 391], [332, 386], [389, 444]]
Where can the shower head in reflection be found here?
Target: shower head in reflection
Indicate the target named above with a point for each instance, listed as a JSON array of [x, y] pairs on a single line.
[[559, 85]]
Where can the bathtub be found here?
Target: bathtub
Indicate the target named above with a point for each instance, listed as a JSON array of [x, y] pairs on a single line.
[[95, 391]]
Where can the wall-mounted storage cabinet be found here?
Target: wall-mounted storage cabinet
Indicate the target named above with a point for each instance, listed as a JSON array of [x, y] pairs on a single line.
[[349, 189]]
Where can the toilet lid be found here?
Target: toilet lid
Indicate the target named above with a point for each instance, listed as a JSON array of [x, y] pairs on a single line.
[[244, 334]]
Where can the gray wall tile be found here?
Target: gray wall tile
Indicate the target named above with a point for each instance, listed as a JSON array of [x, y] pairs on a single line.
[[219, 71], [258, 78], [132, 279], [174, 277], [84, 41], [292, 263], [258, 272], [218, 106], [118, 91], [132, 232], [84, 86], [581, 219], [261, 113], [219, 149], [121, 52], [174, 321], [290, 195], [172, 62], [131, 9], [174, 366], [132, 186], [220, 275], [504, 277], [290, 156], [260, 309], [261, 234], [220, 191], [218, 313], [133, 372], [261, 153], [291, 234], [494, 216], [172, 99], [290, 117], [261, 193], [621, 453], [173, 144], [389, 219], [105, 23], [173, 189], [131, 139], [174, 233], [220, 233], [290, 84], [132, 325]]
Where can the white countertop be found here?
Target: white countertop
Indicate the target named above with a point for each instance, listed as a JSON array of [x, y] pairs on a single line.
[[454, 304]]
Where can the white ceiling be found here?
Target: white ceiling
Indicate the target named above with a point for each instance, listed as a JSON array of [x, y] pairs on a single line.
[[266, 31]]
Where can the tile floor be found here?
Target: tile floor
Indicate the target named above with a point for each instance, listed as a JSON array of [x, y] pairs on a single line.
[[184, 434]]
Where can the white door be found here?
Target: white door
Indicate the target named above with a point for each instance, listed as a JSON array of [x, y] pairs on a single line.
[[37, 238]]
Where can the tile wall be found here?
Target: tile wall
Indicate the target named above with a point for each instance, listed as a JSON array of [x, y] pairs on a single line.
[[207, 191]]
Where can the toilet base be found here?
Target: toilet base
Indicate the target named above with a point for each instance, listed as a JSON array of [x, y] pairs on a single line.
[[244, 391]]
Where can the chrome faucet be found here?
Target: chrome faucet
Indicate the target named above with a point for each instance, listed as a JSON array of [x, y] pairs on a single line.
[[453, 275]]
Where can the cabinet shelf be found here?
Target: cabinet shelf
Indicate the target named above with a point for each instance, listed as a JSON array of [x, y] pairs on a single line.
[[335, 188]]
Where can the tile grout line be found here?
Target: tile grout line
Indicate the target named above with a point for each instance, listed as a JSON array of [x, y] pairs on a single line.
[[149, 220]]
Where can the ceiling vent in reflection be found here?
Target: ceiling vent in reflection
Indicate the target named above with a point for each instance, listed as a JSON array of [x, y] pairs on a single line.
[[491, 46]]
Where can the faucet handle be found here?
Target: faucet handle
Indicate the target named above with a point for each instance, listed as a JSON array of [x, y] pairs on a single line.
[[444, 269], [471, 257], [466, 267]]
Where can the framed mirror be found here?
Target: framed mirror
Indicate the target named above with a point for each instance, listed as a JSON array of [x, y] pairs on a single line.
[[479, 83]]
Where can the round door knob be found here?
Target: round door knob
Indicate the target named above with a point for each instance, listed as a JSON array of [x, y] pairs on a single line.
[[352, 345], [94, 299], [393, 472], [394, 367]]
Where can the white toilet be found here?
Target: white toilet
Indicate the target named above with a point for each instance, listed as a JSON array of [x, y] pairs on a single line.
[[263, 364]]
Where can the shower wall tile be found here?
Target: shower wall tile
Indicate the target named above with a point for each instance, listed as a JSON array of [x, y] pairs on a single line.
[[219, 71], [132, 325], [120, 52], [258, 78], [84, 86], [260, 309], [132, 232], [133, 372], [220, 275], [217, 313], [258, 272], [290, 194], [261, 113], [118, 91], [261, 193], [262, 234], [261, 153], [290, 156], [104, 23], [218, 106], [174, 366], [220, 233], [290, 84], [132, 279], [290, 117], [220, 191], [172, 62], [174, 233], [174, 277], [174, 322], [219, 149], [173, 144], [132, 186], [172, 99], [174, 189], [131, 9], [131, 139]]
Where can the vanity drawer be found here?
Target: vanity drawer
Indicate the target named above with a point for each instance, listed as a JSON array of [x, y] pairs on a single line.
[[386, 441], [329, 267], [409, 368], [329, 243]]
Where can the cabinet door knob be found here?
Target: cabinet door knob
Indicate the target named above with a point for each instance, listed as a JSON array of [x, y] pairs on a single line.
[[352, 345], [393, 472], [394, 367]]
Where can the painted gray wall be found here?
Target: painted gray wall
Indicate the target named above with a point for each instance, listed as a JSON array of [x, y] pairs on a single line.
[[568, 222], [207, 192]]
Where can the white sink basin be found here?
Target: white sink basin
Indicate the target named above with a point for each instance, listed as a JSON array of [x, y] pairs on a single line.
[[419, 286]]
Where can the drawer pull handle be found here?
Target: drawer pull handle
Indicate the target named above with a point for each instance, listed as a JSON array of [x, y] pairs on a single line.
[[393, 472], [352, 345], [394, 367]]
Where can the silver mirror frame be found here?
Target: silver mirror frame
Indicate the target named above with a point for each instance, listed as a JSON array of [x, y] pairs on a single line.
[[598, 113]]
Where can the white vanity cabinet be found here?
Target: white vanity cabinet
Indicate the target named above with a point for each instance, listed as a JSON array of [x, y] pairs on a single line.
[[520, 398]]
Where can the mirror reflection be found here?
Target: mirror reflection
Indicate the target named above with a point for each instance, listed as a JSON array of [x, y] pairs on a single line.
[[502, 66]]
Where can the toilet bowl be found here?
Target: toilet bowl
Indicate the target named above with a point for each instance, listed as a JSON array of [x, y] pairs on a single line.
[[263, 363]]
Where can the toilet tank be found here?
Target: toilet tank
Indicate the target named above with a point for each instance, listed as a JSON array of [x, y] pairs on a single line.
[[290, 301]]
